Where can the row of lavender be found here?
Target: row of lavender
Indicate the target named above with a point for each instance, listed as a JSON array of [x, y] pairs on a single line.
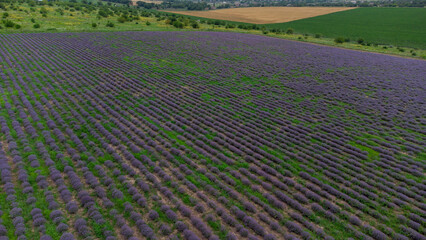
[[207, 136]]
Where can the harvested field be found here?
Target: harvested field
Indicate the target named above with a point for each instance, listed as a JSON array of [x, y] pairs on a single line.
[[264, 15]]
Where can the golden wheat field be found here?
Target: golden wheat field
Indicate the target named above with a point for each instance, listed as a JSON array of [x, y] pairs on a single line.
[[264, 15]]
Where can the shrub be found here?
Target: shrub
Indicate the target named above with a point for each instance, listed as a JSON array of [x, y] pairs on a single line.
[[195, 25], [94, 25], [180, 226], [317, 35], [339, 40], [121, 19], [360, 41], [5, 15], [178, 24], [165, 229], [148, 23], [153, 215], [290, 31], [9, 24], [17, 26], [110, 24]]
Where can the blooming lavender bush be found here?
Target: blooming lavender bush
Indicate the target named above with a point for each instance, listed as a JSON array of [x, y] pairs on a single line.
[[207, 135]]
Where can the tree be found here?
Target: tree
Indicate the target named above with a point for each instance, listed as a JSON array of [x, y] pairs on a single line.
[[290, 31], [195, 25], [178, 24], [102, 13]]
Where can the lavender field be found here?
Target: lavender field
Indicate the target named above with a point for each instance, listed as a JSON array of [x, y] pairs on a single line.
[[202, 135]]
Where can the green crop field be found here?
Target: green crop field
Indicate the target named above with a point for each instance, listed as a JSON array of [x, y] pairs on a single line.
[[398, 26]]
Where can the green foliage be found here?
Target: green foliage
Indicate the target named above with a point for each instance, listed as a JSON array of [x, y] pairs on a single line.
[[195, 25], [230, 25], [121, 19], [148, 23], [43, 11], [8, 23], [103, 13], [94, 25], [339, 40], [60, 11], [360, 40], [178, 24], [110, 24], [289, 31], [317, 35], [32, 20], [17, 26], [37, 25], [5, 14]]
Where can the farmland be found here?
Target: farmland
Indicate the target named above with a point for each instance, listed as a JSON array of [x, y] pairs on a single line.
[[207, 135], [79, 17], [264, 15], [398, 26]]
